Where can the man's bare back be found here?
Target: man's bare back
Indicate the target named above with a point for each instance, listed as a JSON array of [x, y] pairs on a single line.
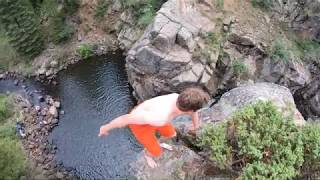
[[157, 111]]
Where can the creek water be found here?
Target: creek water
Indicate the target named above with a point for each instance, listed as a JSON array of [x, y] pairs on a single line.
[[92, 93]]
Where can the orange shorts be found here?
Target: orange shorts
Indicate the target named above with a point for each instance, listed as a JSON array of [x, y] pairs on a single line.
[[145, 134]]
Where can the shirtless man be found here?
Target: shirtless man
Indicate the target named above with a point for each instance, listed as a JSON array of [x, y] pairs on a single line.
[[155, 115]]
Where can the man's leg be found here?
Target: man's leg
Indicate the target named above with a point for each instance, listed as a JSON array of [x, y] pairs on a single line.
[[145, 135], [167, 131]]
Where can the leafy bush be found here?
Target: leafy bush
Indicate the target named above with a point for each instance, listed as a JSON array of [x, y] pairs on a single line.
[[101, 8], [264, 144], [239, 67], [311, 141], [85, 51], [214, 138], [144, 10], [5, 108], [285, 50], [264, 4], [279, 50], [213, 40]]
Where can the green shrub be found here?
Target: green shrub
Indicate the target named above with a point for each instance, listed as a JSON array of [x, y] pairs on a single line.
[[5, 108], [214, 138], [311, 139], [101, 8], [12, 159], [285, 50], [213, 40], [239, 67], [85, 51], [264, 144], [146, 16], [264, 4], [280, 51]]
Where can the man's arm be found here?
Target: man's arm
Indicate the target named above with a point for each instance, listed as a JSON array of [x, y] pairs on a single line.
[[121, 121], [195, 120], [118, 122]]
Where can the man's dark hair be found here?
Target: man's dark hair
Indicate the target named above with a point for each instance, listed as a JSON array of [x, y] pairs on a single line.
[[192, 99]]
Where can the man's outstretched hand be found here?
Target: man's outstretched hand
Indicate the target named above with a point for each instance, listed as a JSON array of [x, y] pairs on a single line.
[[104, 131]]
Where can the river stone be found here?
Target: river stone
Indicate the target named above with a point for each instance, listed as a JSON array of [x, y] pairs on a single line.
[[57, 104], [59, 175], [53, 111]]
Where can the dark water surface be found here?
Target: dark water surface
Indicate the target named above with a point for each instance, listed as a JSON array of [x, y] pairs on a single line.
[[92, 93]]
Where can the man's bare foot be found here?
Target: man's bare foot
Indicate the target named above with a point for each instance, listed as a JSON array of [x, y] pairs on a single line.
[[150, 161], [166, 146]]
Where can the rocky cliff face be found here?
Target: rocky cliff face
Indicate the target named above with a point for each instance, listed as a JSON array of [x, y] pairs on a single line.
[[208, 47], [301, 15], [162, 58]]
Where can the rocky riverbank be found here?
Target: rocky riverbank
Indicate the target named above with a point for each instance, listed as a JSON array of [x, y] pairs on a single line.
[[38, 115], [38, 122]]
